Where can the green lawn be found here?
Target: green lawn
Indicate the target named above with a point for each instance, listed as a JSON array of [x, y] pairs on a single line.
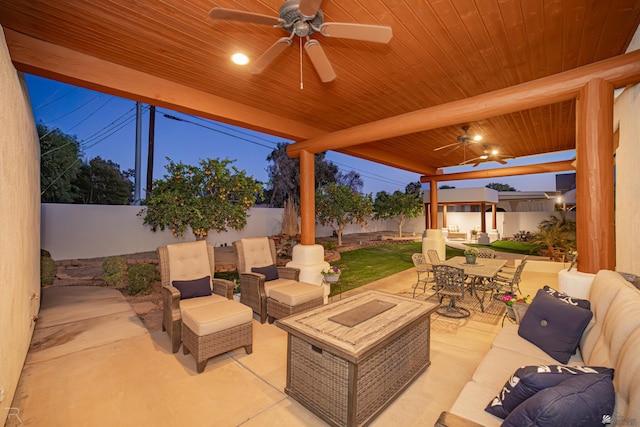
[[366, 265]]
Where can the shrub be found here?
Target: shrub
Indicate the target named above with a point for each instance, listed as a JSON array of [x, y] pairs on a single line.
[[141, 277], [114, 270], [330, 246], [48, 270], [522, 236]]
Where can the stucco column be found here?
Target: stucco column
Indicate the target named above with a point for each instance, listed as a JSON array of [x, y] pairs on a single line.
[[307, 199], [594, 177]]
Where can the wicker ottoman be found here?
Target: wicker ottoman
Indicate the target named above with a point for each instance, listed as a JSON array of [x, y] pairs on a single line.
[[294, 298], [216, 328]]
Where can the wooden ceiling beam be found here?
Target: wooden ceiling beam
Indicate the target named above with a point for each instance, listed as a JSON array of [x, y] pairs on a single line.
[[55, 62], [396, 160], [619, 71], [561, 166]]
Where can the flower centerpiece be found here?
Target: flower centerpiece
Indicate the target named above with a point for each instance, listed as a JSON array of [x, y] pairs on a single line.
[[510, 299], [331, 274], [470, 254]]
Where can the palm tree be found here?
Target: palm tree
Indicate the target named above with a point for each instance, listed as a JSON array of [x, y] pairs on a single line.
[[557, 235]]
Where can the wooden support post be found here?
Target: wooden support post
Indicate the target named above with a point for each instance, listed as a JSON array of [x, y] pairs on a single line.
[[594, 178], [483, 217], [434, 204], [444, 216], [307, 199], [494, 217]]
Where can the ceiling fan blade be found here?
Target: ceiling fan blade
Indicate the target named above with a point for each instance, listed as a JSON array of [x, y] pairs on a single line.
[[475, 159], [269, 55], [309, 8], [452, 150], [364, 32], [446, 146], [501, 161], [242, 16], [320, 61]]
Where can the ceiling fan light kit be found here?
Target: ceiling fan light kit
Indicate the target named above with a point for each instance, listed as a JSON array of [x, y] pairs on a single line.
[[303, 18]]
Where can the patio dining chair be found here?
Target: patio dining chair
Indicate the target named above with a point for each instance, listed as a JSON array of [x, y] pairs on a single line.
[[450, 283], [486, 253], [423, 270], [508, 283], [434, 258]]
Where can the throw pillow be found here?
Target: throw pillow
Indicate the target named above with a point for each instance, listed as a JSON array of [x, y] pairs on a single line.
[[583, 303], [585, 400], [270, 272], [528, 380], [193, 288], [554, 326]]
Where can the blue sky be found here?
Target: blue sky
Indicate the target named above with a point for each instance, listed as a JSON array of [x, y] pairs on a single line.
[[105, 127]]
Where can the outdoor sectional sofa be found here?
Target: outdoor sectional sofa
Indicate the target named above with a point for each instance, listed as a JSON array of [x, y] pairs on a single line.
[[611, 339]]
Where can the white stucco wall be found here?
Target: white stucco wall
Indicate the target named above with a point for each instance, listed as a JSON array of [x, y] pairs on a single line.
[[627, 120], [19, 226]]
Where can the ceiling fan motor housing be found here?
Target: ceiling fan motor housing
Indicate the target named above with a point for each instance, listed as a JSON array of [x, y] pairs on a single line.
[[296, 23]]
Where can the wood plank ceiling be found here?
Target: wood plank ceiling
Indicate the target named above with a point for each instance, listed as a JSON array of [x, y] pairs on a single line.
[[441, 51]]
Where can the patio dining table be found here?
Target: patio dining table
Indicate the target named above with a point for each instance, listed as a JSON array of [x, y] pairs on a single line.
[[483, 271]]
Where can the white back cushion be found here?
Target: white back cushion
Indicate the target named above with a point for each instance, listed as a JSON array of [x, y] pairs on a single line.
[[256, 253], [188, 261]]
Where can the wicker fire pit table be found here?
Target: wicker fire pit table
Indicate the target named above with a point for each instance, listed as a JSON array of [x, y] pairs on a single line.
[[347, 361]]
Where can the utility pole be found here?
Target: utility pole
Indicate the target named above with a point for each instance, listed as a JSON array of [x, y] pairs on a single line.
[[152, 124], [138, 172]]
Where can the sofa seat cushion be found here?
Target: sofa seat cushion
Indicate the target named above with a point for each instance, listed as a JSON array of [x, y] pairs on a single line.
[[499, 364], [208, 319], [509, 339], [296, 293], [272, 284], [554, 326], [471, 402], [586, 400], [200, 301]]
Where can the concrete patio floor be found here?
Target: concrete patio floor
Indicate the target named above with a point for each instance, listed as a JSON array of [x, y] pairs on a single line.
[[92, 362]]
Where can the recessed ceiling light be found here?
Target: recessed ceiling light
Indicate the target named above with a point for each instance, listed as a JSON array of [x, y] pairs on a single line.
[[240, 59], [477, 138]]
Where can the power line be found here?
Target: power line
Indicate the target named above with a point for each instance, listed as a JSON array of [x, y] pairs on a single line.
[[77, 108], [60, 176], [230, 127], [47, 102], [169, 116]]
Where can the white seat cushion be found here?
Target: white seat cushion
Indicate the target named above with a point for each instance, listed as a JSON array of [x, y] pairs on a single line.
[[200, 301], [296, 293], [188, 261], [208, 319], [272, 284], [257, 253]]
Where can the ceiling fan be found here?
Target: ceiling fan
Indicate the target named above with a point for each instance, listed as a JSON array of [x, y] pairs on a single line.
[[490, 153], [303, 18], [462, 141]]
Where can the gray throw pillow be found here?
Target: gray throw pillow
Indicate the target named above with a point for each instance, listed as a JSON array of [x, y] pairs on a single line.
[[554, 326], [270, 272], [528, 380], [583, 400], [193, 288]]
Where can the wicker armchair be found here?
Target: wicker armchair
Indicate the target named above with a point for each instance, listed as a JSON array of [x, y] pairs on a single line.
[[171, 313], [255, 290]]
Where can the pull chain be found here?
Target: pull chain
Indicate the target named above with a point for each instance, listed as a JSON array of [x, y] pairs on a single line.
[[301, 84]]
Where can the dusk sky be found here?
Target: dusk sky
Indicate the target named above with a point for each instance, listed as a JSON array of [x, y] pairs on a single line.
[[106, 126]]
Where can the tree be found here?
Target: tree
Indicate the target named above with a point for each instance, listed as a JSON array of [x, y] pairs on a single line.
[[351, 180], [446, 187], [398, 206], [284, 174], [102, 182], [59, 164], [557, 235], [207, 197], [414, 187], [500, 187], [338, 206]]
